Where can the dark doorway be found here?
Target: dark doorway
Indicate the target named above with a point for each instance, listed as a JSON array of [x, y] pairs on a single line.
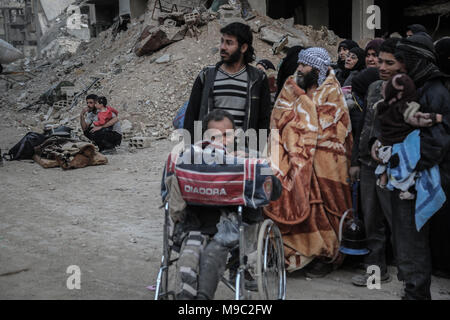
[[341, 18]]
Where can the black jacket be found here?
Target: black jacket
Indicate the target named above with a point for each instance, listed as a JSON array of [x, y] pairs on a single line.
[[435, 141], [201, 101]]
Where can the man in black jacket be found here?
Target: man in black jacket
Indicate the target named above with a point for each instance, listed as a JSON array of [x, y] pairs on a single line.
[[232, 85], [412, 247]]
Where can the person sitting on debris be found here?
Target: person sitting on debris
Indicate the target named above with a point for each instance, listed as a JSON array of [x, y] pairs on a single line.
[[106, 136], [313, 138], [203, 254], [232, 85]]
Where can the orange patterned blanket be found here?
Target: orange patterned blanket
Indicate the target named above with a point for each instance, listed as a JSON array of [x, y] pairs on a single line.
[[312, 159]]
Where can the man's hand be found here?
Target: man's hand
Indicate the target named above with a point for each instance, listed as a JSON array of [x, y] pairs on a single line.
[[374, 151], [94, 129], [354, 174], [84, 111]]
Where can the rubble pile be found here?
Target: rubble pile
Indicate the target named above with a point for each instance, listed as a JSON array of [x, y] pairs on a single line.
[[146, 72]]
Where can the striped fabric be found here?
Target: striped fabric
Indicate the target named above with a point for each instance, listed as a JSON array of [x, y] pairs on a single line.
[[230, 94]]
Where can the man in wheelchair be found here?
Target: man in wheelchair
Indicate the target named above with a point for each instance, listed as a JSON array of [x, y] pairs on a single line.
[[205, 235]]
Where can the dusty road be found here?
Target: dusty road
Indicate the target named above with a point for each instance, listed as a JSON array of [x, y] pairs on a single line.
[[107, 221]]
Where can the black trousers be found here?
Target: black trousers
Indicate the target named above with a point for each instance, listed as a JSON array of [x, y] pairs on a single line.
[[104, 138], [377, 216], [412, 249]]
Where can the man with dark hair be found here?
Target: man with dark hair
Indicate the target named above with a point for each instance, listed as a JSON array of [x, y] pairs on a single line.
[[376, 204], [413, 244], [312, 136], [106, 136], [232, 85], [203, 253]]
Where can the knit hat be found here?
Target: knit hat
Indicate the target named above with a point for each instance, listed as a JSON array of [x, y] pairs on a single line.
[[317, 58], [266, 64], [418, 54]]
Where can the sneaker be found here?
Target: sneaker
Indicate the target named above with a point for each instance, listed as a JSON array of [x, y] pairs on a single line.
[[360, 280]]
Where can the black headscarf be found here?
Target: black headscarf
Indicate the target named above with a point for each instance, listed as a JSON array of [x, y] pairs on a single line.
[[418, 54], [416, 28], [443, 53], [348, 44], [288, 66], [362, 81], [266, 64]]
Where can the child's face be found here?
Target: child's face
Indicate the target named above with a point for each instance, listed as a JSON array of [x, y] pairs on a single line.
[[98, 106]]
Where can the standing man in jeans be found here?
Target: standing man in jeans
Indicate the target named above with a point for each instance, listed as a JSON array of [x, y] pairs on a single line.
[[412, 246], [232, 85], [376, 204]]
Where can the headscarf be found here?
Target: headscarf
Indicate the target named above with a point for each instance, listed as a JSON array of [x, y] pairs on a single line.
[[416, 28], [317, 58], [419, 56], [288, 66], [375, 44], [348, 44], [362, 81], [266, 64], [361, 54]]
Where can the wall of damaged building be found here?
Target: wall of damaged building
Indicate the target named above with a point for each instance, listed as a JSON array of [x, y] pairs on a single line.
[[17, 25]]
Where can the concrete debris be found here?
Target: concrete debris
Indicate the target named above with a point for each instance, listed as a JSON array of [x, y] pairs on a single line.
[[163, 59], [60, 46], [146, 94]]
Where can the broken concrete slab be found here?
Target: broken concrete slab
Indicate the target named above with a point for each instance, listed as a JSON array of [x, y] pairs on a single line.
[[154, 38], [270, 36]]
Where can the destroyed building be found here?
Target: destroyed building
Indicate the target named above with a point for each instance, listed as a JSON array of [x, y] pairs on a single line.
[[17, 25]]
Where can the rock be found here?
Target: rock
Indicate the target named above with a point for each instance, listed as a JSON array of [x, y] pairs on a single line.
[[163, 59], [126, 125], [270, 36]]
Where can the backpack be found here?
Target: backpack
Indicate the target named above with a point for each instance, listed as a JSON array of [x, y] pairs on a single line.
[[178, 121], [24, 149]]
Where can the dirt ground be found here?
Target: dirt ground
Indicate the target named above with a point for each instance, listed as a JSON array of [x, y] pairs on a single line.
[[107, 221]]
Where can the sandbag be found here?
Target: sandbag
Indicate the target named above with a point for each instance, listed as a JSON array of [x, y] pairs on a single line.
[[8, 53]]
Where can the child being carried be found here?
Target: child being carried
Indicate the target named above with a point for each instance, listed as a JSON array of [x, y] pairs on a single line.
[[393, 113]]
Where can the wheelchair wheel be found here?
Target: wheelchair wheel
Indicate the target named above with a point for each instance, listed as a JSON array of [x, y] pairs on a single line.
[[270, 269]]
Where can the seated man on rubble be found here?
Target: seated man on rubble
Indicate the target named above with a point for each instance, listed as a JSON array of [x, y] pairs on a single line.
[[204, 250], [108, 135]]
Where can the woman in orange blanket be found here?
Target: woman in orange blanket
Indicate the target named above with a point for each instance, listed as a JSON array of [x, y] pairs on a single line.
[[312, 158]]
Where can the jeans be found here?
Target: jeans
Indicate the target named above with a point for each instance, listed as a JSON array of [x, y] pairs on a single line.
[[412, 249], [376, 211]]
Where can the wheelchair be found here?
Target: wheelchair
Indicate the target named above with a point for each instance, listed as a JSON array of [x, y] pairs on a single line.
[[268, 269]]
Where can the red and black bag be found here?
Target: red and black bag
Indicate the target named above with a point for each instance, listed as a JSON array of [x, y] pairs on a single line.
[[208, 175]]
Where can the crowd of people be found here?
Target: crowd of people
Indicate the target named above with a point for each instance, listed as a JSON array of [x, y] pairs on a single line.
[[378, 117]]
